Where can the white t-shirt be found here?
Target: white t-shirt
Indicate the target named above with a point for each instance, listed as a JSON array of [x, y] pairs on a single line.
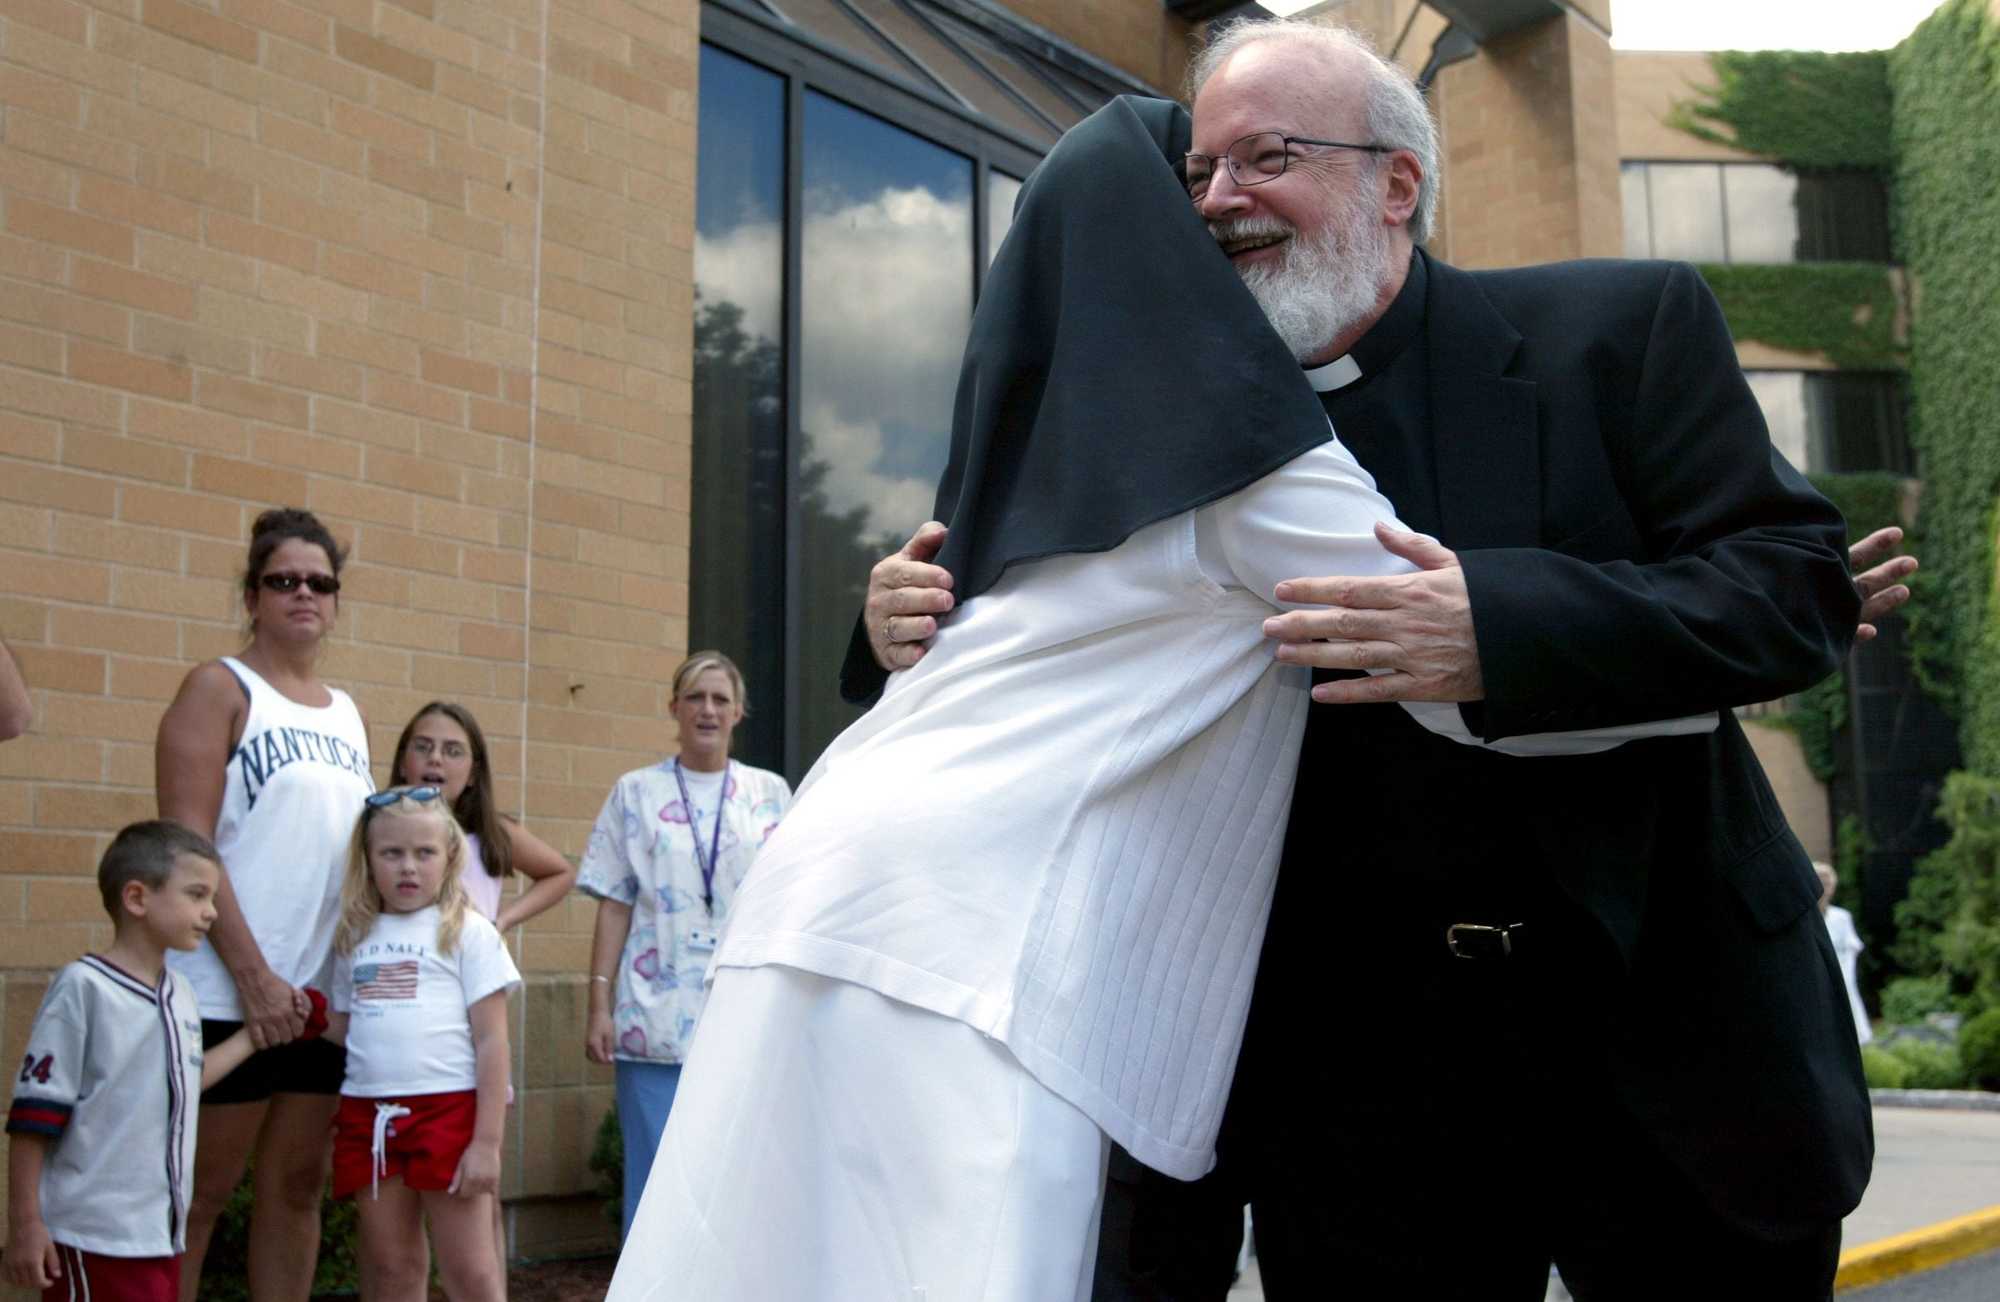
[[642, 853], [111, 1073], [293, 790], [408, 1032]]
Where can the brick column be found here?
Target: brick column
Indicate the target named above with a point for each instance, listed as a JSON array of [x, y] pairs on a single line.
[[1531, 149]]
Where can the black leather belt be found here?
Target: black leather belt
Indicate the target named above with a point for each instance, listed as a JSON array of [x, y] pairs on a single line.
[[1483, 941]]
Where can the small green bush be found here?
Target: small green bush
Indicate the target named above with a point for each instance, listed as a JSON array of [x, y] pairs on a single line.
[[1933, 1066], [225, 1271], [607, 1159], [1979, 1050], [1906, 1001], [1884, 1070]]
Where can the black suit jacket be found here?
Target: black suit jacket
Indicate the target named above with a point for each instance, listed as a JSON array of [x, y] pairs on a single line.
[[1633, 549]]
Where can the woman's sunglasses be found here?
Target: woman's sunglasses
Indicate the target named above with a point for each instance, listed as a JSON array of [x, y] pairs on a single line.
[[324, 585], [383, 799]]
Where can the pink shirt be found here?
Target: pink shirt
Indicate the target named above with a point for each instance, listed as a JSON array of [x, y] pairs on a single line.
[[482, 886]]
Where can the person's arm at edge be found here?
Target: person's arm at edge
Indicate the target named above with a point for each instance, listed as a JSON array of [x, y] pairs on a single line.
[[607, 946], [191, 757], [16, 710], [32, 1259], [479, 1167], [542, 864]]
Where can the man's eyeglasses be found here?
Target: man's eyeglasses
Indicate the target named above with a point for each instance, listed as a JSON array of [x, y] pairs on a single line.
[[1257, 158], [384, 799], [324, 585]]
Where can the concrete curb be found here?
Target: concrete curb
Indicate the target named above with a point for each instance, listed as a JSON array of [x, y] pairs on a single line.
[[1920, 1249], [1962, 1100]]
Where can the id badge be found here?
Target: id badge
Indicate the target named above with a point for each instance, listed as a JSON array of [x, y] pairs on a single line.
[[702, 942]]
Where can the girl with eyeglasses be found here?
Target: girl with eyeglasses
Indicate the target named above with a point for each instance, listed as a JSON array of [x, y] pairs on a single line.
[[664, 861], [269, 762], [420, 986]]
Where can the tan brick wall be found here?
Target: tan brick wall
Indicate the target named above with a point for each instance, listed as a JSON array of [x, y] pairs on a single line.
[[424, 266], [1650, 83], [1531, 155]]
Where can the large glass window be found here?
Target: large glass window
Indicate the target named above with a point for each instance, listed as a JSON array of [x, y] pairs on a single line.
[[886, 301], [1753, 212], [843, 217], [737, 557]]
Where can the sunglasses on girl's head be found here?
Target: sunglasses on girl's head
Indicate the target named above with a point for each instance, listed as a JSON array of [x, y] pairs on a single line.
[[324, 585], [383, 799]]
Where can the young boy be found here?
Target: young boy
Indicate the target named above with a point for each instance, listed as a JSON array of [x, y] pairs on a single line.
[[104, 1103]]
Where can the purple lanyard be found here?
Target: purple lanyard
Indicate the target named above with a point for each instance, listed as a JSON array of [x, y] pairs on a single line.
[[705, 863]]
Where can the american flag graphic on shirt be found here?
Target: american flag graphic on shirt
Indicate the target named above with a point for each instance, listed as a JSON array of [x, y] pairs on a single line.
[[386, 980]]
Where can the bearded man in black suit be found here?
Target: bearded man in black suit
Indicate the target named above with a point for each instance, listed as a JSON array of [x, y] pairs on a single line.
[[1510, 1011]]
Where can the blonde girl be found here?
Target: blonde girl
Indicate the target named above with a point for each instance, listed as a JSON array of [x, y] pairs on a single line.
[[420, 999]]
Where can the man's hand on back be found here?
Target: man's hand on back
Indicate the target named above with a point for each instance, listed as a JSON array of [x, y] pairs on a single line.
[[1880, 580], [1417, 627], [905, 594]]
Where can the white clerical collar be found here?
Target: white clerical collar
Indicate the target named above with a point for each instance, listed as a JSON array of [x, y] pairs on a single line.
[[1336, 374]]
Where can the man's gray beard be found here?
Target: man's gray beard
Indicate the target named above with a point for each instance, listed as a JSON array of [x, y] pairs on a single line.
[[1323, 285]]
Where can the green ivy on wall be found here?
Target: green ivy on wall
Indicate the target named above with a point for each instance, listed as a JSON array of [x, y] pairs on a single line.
[[1946, 83], [1867, 501], [1804, 109], [1846, 310]]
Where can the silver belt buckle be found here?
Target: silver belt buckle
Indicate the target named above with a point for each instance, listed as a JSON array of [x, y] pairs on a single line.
[[1477, 937]]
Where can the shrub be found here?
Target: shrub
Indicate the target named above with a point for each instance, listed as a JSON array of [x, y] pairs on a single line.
[[607, 1159], [1884, 1070], [1979, 1049], [1932, 1066], [1906, 1001], [225, 1272], [1946, 924]]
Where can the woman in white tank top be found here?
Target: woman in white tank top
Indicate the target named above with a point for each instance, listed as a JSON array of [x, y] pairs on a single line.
[[272, 764]]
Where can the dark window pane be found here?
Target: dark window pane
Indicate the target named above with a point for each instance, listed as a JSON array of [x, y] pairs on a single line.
[[1843, 217], [824, 19], [1001, 191], [1638, 219], [952, 69], [1009, 68], [1763, 213], [737, 557], [885, 306], [1859, 423], [1687, 211]]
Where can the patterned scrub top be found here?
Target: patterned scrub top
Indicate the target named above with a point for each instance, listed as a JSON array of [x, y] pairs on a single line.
[[642, 853]]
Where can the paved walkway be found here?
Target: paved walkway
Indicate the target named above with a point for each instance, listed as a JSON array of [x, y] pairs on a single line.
[[1930, 1166]]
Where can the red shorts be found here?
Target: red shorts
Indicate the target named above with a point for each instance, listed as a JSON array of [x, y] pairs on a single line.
[[423, 1147], [114, 1279]]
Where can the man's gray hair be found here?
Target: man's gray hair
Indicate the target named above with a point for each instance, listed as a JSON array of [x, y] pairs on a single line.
[[1395, 108]]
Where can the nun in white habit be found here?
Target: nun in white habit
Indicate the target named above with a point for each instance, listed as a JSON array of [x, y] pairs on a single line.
[[1015, 911]]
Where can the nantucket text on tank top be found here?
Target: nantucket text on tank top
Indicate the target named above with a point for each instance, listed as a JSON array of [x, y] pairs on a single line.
[[261, 756], [1336, 374]]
